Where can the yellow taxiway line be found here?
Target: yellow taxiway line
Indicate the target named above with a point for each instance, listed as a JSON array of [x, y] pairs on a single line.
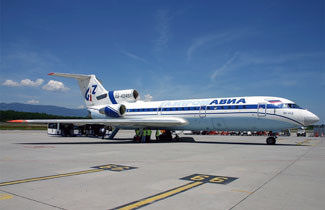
[[49, 177], [110, 167], [160, 196], [4, 196]]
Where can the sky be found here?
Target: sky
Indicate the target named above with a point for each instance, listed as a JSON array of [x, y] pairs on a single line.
[[164, 49]]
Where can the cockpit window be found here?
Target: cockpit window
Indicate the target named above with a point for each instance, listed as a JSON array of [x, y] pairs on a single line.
[[296, 106], [292, 106]]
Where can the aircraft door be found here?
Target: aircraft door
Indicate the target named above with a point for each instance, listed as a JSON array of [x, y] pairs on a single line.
[[159, 110], [261, 109], [203, 111]]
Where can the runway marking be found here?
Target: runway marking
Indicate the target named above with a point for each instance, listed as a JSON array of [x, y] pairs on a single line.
[[305, 141], [111, 167], [197, 180], [210, 179], [4, 196]]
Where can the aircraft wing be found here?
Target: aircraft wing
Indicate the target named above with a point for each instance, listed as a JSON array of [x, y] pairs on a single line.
[[154, 122]]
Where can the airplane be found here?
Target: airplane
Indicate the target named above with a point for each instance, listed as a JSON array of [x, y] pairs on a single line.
[[122, 109]]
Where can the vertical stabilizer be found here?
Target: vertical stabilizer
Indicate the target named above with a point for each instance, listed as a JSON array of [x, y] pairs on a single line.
[[91, 88]]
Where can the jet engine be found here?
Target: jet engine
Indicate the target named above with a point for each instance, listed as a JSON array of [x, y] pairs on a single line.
[[121, 96], [114, 110]]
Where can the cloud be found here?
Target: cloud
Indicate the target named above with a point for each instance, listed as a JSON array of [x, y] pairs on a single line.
[[24, 82], [163, 18], [10, 83], [224, 67], [206, 40], [53, 85], [250, 58], [135, 57], [167, 87], [30, 83], [288, 70], [148, 97], [217, 39], [32, 101], [81, 107]]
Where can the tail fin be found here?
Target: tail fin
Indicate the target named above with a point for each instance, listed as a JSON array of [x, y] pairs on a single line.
[[91, 88]]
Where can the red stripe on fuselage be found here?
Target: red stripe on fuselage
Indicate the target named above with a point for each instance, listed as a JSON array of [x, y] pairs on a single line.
[[17, 121]]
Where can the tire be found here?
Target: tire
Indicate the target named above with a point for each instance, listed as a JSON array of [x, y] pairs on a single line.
[[270, 141]]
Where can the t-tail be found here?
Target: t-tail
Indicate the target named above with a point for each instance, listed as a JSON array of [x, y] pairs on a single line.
[[94, 92], [91, 88]]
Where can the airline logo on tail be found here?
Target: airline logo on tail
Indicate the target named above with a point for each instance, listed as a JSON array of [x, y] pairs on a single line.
[[89, 92]]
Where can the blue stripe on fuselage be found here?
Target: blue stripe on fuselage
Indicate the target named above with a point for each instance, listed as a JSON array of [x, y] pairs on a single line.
[[192, 108], [111, 97]]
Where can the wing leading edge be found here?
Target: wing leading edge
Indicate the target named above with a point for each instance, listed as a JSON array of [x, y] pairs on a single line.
[[155, 122]]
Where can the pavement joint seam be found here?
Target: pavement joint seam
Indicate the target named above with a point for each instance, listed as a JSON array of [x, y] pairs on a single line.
[[273, 177], [31, 199]]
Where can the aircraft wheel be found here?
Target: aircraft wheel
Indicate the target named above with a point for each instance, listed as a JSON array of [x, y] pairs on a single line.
[[176, 138], [271, 140]]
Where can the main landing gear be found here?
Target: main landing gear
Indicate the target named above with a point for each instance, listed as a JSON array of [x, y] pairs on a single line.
[[271, 140], [166, 135], [144, 135]]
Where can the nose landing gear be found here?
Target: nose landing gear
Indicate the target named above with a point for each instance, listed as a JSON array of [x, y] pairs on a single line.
[[271, 140]]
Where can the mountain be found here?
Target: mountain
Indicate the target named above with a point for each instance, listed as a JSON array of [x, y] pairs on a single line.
[[48, 109]]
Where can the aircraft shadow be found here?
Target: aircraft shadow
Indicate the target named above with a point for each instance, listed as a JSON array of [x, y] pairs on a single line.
[[181, 140], [115, 141], [247, 143]]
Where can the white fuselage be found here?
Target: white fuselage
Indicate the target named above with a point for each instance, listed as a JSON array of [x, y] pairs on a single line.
[[236, 113]]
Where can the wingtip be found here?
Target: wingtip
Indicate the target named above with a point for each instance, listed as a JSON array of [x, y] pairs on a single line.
[[50, 73], [17, 121]]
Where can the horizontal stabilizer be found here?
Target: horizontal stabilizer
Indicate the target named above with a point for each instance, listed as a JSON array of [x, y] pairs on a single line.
[[76, 76]]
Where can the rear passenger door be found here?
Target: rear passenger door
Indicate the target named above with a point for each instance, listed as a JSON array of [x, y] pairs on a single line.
[[261, 109]]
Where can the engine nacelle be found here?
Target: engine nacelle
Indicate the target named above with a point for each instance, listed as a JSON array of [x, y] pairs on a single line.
[[114, 110], [121, 96]]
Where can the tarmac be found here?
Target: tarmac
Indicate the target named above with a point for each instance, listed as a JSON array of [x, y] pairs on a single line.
[[38, 171]]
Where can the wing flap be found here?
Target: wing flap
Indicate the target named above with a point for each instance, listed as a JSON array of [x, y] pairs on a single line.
[[129, 122]]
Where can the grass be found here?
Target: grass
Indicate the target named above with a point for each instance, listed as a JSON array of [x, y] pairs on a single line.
[[13, 126]]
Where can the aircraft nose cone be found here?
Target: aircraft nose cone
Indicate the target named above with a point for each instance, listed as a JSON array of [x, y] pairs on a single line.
[[310, 119]]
